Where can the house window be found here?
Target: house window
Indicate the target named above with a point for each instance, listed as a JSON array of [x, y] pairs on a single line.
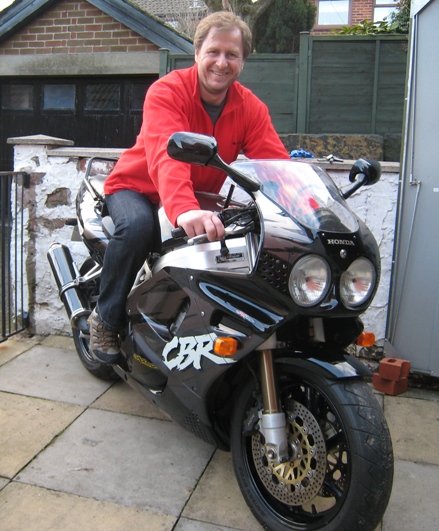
[[383, 8], [138, 92], [17, 97], [332, 12], [102, 97], [59, 97]]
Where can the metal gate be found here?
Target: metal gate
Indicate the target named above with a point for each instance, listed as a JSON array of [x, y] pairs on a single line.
[[13, 311]]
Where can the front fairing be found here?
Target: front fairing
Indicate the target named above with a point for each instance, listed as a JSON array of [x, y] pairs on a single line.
[[303, 212]]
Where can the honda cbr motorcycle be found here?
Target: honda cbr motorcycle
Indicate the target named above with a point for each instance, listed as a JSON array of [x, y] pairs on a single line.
[[244, 341]]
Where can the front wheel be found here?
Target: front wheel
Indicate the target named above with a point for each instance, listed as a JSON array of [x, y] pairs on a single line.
[[340, 468]]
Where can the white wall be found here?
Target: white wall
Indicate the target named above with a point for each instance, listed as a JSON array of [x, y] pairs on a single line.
[[63, 168]]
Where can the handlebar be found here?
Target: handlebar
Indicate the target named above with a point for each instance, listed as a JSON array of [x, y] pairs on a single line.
[[236, 221]]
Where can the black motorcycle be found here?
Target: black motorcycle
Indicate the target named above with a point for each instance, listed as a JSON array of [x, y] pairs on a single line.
[[243, 341]]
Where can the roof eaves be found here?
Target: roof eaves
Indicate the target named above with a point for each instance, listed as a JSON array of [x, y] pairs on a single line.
[[19, 14]]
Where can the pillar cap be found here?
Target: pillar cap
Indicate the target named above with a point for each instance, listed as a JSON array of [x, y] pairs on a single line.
[[39, 140]]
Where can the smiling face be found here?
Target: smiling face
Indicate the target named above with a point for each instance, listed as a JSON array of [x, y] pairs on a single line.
[[220, 61]]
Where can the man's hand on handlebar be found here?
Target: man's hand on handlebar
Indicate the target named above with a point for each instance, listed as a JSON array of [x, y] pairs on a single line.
[[197, 222]]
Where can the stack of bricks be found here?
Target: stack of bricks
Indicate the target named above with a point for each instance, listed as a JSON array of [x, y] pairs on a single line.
[[392, 376]]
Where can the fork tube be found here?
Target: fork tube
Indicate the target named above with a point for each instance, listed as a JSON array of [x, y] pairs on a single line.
[[268, 383], [273, 422]]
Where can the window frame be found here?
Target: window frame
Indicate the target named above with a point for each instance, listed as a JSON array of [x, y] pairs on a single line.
[[61, 110], [89, 111], [320, 27], [377, 4], [6, 86]]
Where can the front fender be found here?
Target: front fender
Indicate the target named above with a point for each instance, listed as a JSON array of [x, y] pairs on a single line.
[[333, 365]]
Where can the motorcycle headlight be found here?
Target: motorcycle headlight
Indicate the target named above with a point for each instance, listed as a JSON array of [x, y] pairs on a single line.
[[309, 280], [357, 283]]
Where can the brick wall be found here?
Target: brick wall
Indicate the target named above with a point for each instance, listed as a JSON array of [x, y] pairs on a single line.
[[361, 10], [74, 27]]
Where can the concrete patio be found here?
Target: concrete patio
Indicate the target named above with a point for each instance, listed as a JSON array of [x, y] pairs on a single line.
[[77, 453]]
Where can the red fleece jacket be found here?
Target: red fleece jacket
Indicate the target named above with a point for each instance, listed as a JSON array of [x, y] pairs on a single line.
[[173, 104]]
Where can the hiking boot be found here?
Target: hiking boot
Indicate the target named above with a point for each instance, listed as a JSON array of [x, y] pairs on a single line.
[[104, 343]]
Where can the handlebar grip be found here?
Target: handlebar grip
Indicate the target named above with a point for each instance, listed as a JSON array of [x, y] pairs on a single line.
[[178, 233]]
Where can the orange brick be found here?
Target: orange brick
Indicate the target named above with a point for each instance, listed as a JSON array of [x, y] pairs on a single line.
[[394, 369], [389, 387]]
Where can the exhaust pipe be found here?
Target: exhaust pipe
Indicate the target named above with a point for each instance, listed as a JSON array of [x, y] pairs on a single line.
[[75, 302]]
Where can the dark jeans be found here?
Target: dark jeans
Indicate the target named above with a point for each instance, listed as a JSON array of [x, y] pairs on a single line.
[[137, 233]]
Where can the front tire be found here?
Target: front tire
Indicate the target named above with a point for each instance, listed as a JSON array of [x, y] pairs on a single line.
[[340, 471]]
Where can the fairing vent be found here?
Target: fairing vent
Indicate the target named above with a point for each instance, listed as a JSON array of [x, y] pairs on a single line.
[[274, 271], [193, 424]]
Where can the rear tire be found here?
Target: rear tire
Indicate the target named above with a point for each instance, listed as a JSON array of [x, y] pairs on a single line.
[[82, 342], [340, 471], [100, 370]]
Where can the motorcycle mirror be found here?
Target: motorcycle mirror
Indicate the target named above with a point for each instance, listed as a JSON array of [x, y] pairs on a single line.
[[371, 169], [202, 150], [192, 148], [364, 172]]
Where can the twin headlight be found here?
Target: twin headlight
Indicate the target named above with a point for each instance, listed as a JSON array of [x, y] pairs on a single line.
[[310, 280]]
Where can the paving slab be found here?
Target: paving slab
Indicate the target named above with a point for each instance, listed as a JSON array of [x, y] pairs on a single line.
[[422, 394], [184, 524], [3, 483], [53, 374], [218, 500], [414, 501], [13, 347], [121, 398], [138, 462], [64, 342], [38, 509], [414, 428], [27, 426]]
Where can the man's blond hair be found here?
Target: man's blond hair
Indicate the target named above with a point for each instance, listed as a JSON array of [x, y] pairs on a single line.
[[223, 21]]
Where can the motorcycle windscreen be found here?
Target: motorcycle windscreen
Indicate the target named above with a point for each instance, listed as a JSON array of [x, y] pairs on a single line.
[[306, 192]]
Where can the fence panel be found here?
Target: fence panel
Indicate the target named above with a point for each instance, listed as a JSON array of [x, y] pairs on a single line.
[[356, 84], [391, 86], [13, 312]]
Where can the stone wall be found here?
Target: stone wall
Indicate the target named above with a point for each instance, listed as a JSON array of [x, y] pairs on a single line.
[[377, 147], [56, 171]]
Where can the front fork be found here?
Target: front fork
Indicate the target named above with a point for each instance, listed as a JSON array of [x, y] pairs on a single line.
[[272, 419]]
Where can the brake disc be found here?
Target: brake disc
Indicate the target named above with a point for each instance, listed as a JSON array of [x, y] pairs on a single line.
[[300, 478]]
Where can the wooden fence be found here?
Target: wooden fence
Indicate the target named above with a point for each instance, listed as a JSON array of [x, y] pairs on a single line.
[[336, 84]]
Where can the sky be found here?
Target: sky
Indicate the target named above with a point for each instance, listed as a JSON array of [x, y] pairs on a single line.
[[5, 3]]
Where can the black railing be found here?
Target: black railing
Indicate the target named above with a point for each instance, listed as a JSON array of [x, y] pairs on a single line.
[[13, 312]]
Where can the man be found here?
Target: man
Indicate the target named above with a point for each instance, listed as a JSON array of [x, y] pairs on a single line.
[[205, 98]]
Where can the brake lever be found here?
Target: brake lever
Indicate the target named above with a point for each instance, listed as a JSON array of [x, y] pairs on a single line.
[[234, 230], [201, 238]]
